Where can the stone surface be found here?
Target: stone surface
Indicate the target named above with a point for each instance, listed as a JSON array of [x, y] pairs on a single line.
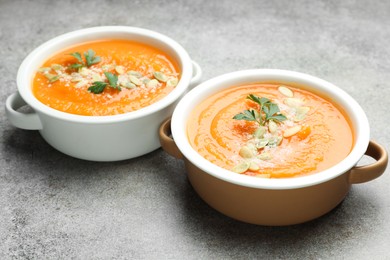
[[55, 207]]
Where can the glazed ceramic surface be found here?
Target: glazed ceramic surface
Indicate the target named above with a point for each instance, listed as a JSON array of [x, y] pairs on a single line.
[[99, 138], [273, 201]]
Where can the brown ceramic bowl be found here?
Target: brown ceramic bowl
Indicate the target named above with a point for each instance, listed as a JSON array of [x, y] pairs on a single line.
[[273, 202]]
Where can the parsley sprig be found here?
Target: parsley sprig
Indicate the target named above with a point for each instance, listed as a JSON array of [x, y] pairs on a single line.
[[268, 111], [90, 59], [99, 86]]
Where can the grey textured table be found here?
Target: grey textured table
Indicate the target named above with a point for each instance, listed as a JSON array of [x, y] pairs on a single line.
[[53, 206]]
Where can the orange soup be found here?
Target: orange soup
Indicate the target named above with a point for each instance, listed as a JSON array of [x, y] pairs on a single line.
[[105, 77], [270, 131]]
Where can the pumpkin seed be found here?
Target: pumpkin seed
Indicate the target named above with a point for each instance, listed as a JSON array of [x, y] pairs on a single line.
[[301, 113], [135, 73], [44, 69], [292, 131], [246, 152], [81, 84], [286, 91], [261, 143], [172, 82], [241, 167], [145, 80], [152, 83], [259, 133], [56, 67], [293, 102], [275, 141], [120, 69], [107, 67], [52, 77], [272, 127], [252, 147], [96, 77], [135, 80], [160, 76], [254, 166], [85, 71], [128, 85], [279, 140], [265, 156]]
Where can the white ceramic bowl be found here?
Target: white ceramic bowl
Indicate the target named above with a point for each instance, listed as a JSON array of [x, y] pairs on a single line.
[[273, 201], [99, 138]]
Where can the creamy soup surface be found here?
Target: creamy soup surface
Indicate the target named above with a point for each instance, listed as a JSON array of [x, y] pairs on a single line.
[[270, 131], [105, 77]]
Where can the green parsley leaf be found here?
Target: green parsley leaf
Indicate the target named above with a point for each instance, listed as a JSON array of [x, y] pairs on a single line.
[[97, 87], [76, 66], [248, 115], [113, 80], [279, 118], [91, 58], [269, 109], [52, 77], [77, 55], [261, 101]]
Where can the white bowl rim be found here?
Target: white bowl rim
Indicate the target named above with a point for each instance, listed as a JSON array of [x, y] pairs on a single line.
[[24, 82], [180, 116]]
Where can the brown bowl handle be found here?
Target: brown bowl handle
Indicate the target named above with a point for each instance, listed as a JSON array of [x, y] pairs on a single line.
[[167, 142], [360, 174]]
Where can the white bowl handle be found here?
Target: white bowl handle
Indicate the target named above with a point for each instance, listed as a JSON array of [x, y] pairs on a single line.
[[28, 121], [196, 74]]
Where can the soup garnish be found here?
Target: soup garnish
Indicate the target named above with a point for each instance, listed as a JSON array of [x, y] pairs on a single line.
[[281, 131], [126, 76]]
